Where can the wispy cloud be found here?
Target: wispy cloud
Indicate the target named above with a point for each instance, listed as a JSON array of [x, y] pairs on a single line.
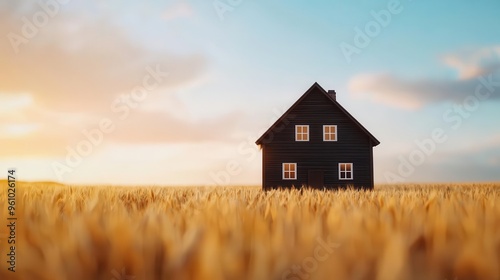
[[66, 78], [154, 127], [471, 63], [413, 94], [91, 62]]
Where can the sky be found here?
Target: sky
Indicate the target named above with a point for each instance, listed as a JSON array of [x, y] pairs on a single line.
[[176, 92]]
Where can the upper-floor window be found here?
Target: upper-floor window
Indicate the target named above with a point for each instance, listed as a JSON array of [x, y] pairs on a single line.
[[329, 133], [289, 171], [345, 171], [302, 133]]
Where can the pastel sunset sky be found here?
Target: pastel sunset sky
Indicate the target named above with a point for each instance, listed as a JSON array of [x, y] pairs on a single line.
[[180, 90]]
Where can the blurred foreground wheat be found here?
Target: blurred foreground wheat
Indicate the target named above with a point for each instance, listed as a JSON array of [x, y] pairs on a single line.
[[118, 233]]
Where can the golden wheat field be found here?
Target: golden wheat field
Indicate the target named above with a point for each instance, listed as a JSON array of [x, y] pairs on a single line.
[[117, 233]]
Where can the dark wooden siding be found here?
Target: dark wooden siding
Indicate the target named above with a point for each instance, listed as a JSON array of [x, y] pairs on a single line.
[[352, 146]]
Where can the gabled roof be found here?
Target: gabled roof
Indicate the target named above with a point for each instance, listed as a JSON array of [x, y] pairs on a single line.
[[334, 102]]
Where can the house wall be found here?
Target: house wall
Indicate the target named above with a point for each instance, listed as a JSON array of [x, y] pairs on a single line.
[[352, 146]]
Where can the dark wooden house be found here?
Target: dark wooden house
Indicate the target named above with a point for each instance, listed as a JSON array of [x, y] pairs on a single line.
[[317, 143]]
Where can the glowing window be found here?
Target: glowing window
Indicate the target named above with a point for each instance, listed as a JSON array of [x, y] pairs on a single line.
[[301, 133], [345, 171], [289, 171], [329, 133]]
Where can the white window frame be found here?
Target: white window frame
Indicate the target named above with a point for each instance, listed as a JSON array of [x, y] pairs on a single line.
[[294, 164], [302, 133], [346, 172], [324, 133]]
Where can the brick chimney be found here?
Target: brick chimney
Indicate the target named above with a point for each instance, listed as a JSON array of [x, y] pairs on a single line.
[[332, 94]]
